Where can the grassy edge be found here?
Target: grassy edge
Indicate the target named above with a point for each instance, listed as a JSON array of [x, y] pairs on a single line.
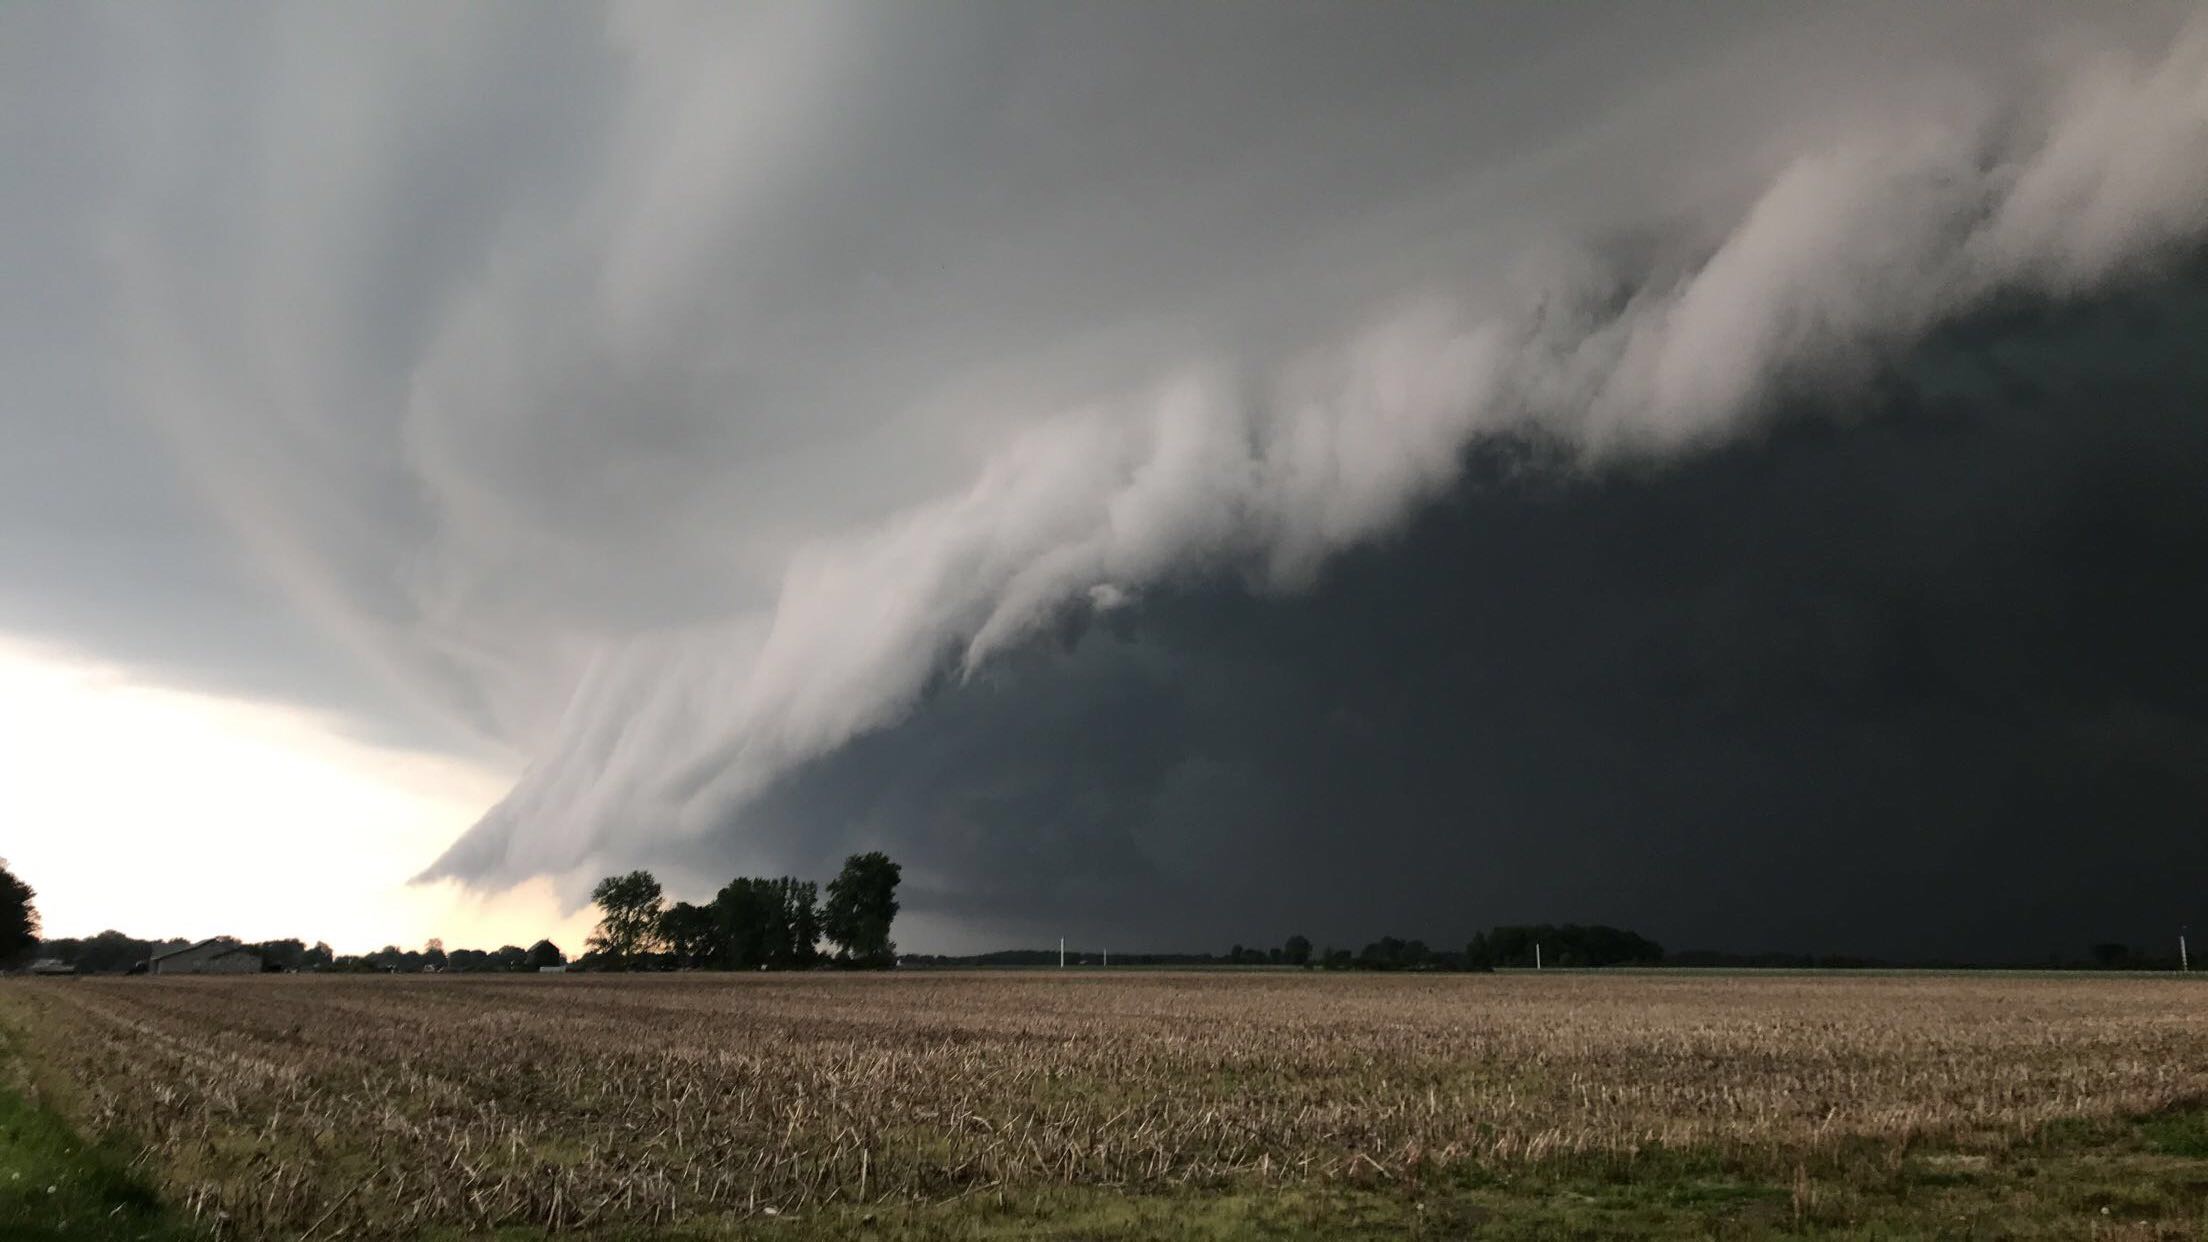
[[55, 1184]]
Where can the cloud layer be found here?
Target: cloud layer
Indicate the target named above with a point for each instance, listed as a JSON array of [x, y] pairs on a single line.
[[1849, 255], [673, 397], [1922, 681]]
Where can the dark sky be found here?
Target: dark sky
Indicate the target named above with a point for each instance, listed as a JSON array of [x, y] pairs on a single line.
[[1919, 673]]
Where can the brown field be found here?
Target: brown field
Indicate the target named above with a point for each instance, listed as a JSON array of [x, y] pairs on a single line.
[[369, 1106]]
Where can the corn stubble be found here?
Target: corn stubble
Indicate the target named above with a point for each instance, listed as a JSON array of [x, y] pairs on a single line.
[[324, 1106]]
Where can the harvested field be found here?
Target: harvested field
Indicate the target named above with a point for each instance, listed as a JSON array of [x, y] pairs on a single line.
[[372, 1106]]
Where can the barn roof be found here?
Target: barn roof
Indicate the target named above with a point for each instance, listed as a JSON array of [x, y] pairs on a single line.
[[231, 947]]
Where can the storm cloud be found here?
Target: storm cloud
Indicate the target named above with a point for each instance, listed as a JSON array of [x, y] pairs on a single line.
[[1029, 439], [1917, 675]]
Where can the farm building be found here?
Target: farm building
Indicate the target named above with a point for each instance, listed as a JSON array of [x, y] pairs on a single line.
[[218, 956]]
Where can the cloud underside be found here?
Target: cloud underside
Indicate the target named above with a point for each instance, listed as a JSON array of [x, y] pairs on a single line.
[[1916, 674], [1847, 257], [1057, 442]]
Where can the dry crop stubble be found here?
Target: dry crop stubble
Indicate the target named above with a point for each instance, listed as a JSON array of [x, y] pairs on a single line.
[[282, 1105]]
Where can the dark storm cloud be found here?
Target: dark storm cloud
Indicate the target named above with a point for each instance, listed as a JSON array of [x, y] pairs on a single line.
[[676, 397], [1830, 258], [1917, 673]]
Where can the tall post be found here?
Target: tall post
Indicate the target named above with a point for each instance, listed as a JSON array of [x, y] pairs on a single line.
[[1537, 955], [1061, 952], [2183, 962]]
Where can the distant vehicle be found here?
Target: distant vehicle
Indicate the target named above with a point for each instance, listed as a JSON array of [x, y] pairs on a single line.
[[551, 970], [52, 966]]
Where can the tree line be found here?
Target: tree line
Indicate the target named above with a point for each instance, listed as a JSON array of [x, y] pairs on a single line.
[[114, 952], [753, 923], [1564, 946], [1561, 946], [542, 955], [781, 924]]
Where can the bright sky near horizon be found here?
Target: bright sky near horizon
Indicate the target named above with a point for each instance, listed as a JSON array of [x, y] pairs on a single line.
[[235, 818]]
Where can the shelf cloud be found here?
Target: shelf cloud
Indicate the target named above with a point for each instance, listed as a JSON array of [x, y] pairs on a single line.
[[677, 399]]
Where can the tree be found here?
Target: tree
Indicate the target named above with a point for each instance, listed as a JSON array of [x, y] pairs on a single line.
[[1392, 953], [1479, 953], [280, 954], [542, 954], [1297, 951], [801, 900], [19, 926], [1568, 945], [109, 952], [862, 902], [748, 920], [630, 924], [691, 933], [771, 924]]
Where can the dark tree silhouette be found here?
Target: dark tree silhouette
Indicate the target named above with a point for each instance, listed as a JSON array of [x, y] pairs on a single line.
[[1567, 945], [281, 954], [2112, 956], [766, 923], [629, 925], [691, 933], [19, 925], [110, 952], [862, 902]]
